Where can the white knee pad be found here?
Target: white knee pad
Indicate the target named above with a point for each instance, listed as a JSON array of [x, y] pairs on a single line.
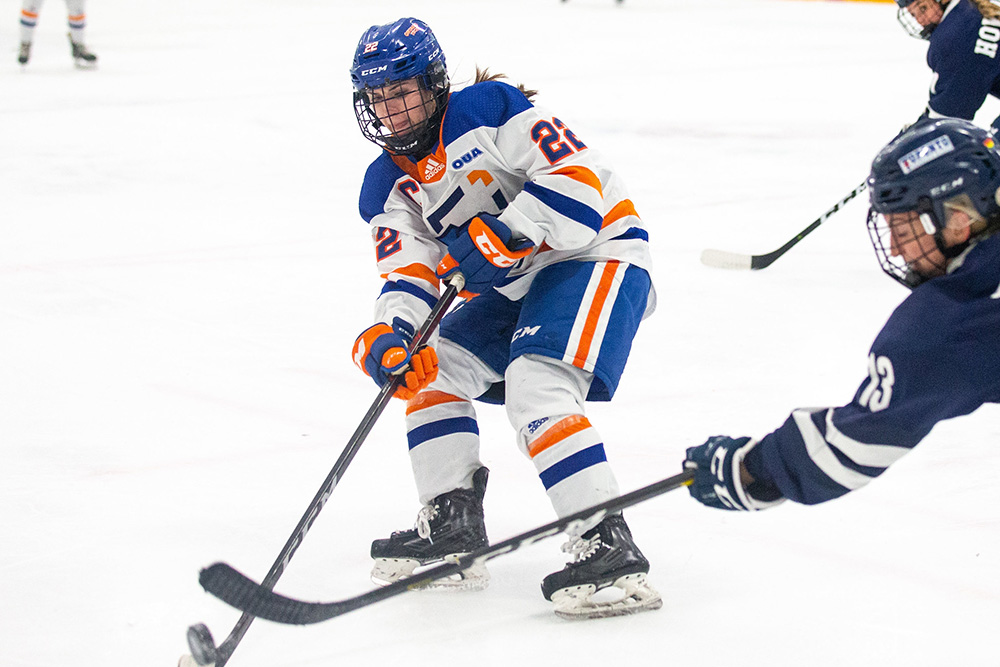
[[542, 388]]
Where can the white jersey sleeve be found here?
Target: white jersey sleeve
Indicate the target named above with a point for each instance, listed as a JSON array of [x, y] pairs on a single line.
[[562, 202], [405, 254]]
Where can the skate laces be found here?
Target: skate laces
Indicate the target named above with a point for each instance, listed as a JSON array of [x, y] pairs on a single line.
[[581, 548], [424, 518]]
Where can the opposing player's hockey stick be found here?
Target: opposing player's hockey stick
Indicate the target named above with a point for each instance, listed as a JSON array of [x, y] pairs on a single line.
[[203, 648], [261, 601], [722, 259]]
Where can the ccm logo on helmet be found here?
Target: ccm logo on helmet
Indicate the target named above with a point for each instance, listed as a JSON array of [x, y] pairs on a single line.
[[373, 70], [945, 187]]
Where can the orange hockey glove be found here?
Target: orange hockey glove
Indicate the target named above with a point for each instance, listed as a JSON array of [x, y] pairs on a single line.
[[381, 351]]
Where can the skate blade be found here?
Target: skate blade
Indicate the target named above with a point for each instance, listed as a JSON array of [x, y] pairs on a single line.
[[83, 64], [390, 570], [578, 603]]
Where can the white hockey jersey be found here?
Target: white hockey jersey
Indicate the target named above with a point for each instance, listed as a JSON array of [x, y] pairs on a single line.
[[500, 155]]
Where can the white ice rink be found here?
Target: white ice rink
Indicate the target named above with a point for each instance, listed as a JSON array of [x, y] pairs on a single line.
[[183, 271]]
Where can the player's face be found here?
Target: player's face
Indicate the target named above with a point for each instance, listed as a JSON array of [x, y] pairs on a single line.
[[402, 106], [926, 12], [911, 241]]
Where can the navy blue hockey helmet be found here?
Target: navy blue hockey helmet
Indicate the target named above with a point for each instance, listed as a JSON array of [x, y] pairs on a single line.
[[401, 86], [935, 166], [910, 17]]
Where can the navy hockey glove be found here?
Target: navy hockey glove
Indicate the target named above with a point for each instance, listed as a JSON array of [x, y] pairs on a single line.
[[717, 479], [381, 351], [484, 251]]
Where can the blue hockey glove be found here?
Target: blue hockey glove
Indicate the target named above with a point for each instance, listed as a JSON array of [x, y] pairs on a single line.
[[381, 351], [717, 479], [484, 251]]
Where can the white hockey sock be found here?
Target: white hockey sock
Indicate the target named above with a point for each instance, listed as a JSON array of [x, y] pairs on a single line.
[[569, 456], [29, 19], [443, 437], [77, 19]]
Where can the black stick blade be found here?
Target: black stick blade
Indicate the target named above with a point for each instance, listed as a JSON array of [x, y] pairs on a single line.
[[238, 590]]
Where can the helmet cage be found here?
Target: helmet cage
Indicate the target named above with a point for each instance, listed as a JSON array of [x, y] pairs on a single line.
[[420, 114], [912, 26], [896, 266]]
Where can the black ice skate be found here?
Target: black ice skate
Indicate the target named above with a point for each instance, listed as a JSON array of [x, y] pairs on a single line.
[[451, 525], [604, 557], [83, 58], [24, 53]]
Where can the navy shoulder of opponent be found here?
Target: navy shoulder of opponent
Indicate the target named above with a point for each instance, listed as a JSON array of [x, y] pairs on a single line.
[[934, 224]]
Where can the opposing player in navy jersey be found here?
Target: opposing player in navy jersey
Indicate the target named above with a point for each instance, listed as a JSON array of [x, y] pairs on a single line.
[[933, 222], [964, 36], [481, 182]]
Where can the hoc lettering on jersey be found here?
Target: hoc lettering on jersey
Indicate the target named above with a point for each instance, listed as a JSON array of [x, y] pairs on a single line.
[[989, 36]]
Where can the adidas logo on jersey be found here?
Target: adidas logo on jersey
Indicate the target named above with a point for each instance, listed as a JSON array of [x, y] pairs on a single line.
[[432, 168]]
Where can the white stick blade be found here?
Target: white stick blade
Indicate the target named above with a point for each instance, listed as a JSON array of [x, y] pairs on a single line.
[[721, 259]]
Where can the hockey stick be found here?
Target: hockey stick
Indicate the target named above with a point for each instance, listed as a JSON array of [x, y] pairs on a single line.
[[261, 601], [203, 649], [722, 259]]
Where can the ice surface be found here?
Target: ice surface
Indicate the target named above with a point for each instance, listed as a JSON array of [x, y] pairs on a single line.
[[183, 271]]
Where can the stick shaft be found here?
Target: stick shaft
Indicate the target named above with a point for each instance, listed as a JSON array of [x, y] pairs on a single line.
[[723, 259], [227, 647]]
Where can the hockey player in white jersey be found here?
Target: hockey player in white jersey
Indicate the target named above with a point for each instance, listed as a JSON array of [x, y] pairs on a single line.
[[933, 221], [77, 19], [480, 181]]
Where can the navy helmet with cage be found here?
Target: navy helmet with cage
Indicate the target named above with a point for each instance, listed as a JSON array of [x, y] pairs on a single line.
[[935, 166], [401, 118], [909, 21]]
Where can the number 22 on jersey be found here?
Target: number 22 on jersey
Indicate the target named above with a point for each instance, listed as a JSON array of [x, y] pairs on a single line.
[[555, 140]]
